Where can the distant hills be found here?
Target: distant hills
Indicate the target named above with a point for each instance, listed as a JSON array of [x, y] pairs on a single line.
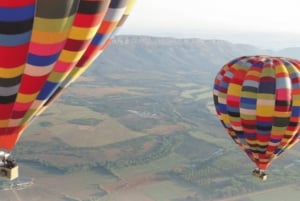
[[146, 52], [293, 52]]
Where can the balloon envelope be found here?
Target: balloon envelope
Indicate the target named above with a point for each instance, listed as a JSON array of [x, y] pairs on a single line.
[[44, 46], [257, 99]]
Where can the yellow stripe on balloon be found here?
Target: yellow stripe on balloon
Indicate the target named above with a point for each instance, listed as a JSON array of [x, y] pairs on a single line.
[[56, 77], [262, 143], [286, 114], [251, 142], [11, 72], [296, 100], [129, 7], [53, 25], [278, 131], [249, 94], [26, 98], [265, 111], [225, 118], [28, 116], [267, 72], [70, 56], [248, 116], [79, 33], [265, 96], [234, 89]]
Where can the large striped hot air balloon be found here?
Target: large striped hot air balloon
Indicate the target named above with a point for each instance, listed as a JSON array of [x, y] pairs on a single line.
[[44, 46], [257, 99]]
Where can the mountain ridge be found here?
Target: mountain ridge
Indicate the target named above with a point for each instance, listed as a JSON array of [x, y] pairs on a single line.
[[167, 54]]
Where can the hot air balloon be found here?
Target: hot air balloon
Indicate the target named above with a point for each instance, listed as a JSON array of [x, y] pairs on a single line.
[[257, 99], [44, 46]]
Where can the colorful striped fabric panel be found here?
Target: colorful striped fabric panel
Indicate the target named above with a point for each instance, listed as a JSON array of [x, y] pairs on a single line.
[[257, 101], [16, 21], [87, 19], [115, 17], [41, 44]]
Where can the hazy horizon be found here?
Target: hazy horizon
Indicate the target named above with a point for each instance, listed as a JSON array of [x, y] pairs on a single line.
[[271, 41], [258, 23]]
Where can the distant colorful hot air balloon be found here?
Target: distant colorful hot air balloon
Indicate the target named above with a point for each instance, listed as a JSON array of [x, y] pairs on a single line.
[[44, 46], [257, 99]]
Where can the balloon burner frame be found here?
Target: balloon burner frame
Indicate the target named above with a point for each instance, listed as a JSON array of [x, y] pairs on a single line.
[[8, 167]]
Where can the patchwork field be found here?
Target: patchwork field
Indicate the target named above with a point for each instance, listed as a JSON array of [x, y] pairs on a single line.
[[108, 140]]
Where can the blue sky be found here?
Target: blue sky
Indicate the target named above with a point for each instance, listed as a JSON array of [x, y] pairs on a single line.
[[267, 23]]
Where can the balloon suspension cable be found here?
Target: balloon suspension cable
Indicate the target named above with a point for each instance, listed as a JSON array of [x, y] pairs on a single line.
[[259, 173]]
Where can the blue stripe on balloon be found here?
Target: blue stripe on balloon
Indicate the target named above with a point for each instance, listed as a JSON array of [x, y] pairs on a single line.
[[248, 103], [295, 74], [263, 132], [278, 151], [250, 136], [267, 87], [216, 87], [222, 108], [15, 40], [41, 61], [117, 3], [99, 39], [47, 90], [17, 13], [258, 64], [273, 140], [264, 123], [240, 134], [233, 109], [296, 85], [295, 111]]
